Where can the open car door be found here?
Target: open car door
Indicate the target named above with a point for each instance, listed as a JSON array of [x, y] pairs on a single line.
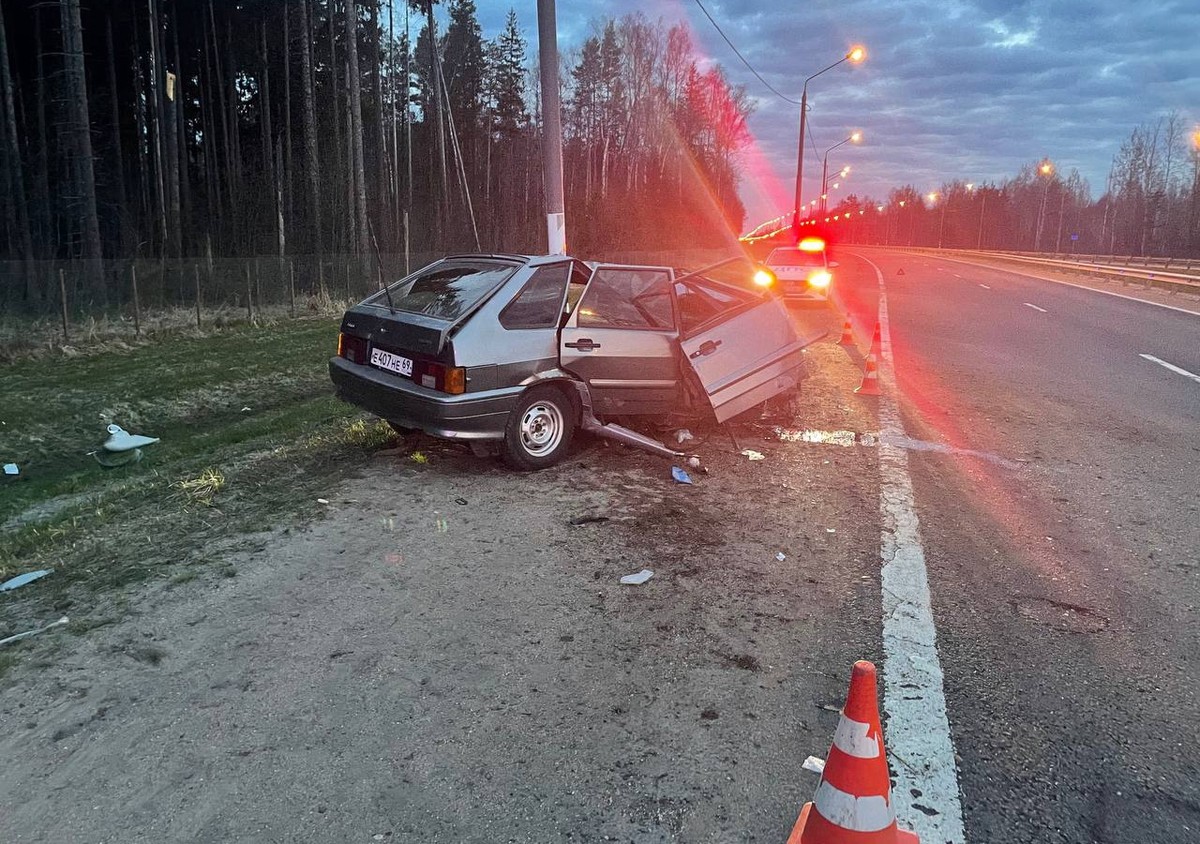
[[743, 347], [621, 340]]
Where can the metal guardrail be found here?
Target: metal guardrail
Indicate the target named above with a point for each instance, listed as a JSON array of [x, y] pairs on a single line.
[[1184, 277], [1148, 261]]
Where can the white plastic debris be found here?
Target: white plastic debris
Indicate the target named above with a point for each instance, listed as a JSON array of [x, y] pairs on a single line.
[[781, 556], [637, 579], [22, 579], [814, 764], [245, 410], [11, 469], [322, 500], [753, 455], [34, 632], [683, 435], [121, 440]]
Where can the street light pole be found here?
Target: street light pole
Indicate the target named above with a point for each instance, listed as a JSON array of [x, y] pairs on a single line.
[[552, 161], [1046, 168], [855, 137], [824, 181], [1062, 204], [856, 55], [934, 197], [982, 207], [800, 153]]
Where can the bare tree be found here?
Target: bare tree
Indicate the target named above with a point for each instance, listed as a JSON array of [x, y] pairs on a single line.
[[79, 141], [356, 130], [118, 157], [12, 154], [310, 125]]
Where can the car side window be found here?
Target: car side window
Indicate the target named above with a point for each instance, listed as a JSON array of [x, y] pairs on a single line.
[[540, 302], [627, 297], [701, 303]]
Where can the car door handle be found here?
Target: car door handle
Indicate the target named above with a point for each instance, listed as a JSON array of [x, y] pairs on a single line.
[[583, 345], [706, 348]]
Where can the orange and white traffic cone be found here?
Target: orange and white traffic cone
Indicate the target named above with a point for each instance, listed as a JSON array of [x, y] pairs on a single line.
[[870, 382], [853, 803], [876, 341], [847, 334]]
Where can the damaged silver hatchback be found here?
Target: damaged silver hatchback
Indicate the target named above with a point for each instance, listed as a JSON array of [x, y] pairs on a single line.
[[524, 351]]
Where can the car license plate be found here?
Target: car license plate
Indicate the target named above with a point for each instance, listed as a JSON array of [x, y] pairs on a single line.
[[391, 362]]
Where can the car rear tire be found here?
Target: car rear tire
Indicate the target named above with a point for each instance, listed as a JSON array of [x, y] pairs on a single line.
[[539, 430]]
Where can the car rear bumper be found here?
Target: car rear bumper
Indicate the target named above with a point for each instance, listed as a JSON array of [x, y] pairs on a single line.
[[471, 416]]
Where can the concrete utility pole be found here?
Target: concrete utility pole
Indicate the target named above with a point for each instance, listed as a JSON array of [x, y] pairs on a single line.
[[552, 161]]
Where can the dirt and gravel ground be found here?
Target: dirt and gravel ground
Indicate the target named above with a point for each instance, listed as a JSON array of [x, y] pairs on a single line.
[[445, 654]]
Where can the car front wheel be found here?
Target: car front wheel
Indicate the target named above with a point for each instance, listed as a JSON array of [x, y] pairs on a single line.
[[539, 429]]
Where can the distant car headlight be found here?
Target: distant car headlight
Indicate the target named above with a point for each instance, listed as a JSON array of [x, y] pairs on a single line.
[[764, 278], [820, 278]]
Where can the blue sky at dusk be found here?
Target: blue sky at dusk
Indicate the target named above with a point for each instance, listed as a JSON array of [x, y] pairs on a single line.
[[951, 89]]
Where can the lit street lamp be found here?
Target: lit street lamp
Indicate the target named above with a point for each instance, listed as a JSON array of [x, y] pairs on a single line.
[[855, 137], [856, 55]]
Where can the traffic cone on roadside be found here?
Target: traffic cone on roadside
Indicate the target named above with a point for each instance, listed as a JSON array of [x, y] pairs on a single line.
[[870, 382], [876, 341], [847, 334], [853, 803]]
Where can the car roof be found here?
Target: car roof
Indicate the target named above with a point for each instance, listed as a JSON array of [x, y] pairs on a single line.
[[511, 256]]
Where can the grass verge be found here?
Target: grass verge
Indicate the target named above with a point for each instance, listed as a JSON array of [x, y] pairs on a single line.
[[251, 436]]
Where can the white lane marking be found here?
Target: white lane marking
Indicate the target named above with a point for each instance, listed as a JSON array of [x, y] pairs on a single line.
[[918, 729], [1035, 307], [1177, 369], [1073, 284], [985, 287]]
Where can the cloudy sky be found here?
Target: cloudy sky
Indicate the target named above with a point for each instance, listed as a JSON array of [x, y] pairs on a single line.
[[951, 89]]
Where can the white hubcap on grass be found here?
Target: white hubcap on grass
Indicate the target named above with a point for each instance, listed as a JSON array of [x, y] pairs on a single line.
[[541, 429]]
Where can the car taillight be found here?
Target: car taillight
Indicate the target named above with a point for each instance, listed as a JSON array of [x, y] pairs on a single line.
[[444, 379], [353, 349]]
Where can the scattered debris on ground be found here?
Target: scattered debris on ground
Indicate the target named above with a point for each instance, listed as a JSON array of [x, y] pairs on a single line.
[[637, 579], [36, 630], [21, 579]]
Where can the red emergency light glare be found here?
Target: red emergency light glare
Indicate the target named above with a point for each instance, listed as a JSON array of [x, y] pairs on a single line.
[[812, 244]]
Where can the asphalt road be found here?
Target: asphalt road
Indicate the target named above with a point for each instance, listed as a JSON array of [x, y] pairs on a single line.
[[1062, 539]]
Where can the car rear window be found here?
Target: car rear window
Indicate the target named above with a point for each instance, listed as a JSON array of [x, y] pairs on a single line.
[[447, 290], [795, 258]]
